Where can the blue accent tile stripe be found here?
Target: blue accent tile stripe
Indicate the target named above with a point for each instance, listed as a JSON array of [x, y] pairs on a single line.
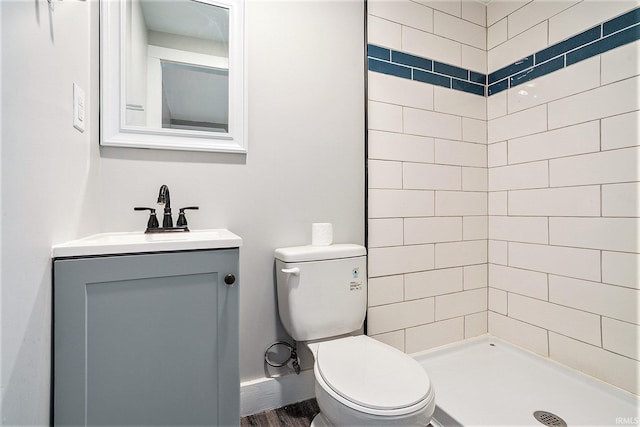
[[411, 60], [432, 78], [477, 77], [389, 68], [537, 71], [450, 70], [516, 67], [567, 45], [407, 66], [467, 87], [378, 52], [621, 22], [609, 35], [615, 40], [498, 87]]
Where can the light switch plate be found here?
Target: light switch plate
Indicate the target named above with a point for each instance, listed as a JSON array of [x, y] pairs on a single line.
[[78, 108]]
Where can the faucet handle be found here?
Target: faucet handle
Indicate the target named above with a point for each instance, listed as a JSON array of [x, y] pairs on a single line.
[[182, 219], [153, 219]]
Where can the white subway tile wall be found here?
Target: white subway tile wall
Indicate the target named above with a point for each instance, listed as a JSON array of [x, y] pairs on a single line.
[[621, 63], [518, 281], [474, 228], [428, 220], [474, 130], [621, 337], [459, 103], [475, 12], [498, 301], [582, 76], [434, 334], [535, 12], [434, 282], [473, 58], [458, 29], [499, 9], [599, 362], [497, 154], [517, 213], [498, 252], [604, 101], [564, 197], [391, 317], [532, 40], [585, 15], [474, 179], [429, 45], [385, 290], [394, 339], [475, 276], [382, 32], [497, 34], [620, 131], [520, 333], [619, 268], [452, 7], [404, 92], [497, 105], [475, 324], [432, 230]]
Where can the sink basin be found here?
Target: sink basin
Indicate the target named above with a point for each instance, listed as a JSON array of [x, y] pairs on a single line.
[[133, 242]]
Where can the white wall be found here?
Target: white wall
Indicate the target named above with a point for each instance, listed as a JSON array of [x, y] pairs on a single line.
[[49, 183], [305, 164]]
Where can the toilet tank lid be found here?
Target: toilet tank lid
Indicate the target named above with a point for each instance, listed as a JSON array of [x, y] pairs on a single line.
[[319, 253]]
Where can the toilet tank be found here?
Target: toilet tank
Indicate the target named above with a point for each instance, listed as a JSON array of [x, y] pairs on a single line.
[[322, 290]]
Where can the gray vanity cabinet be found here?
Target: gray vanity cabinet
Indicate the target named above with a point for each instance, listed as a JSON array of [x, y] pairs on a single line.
[[146, 339]]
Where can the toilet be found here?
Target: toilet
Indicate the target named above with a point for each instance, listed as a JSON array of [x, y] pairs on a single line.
[[359, 381]]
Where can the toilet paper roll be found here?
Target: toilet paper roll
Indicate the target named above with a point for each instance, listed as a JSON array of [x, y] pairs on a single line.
[[321, 234]]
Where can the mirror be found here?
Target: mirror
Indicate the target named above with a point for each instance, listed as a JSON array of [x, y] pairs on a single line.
[[172, 74]]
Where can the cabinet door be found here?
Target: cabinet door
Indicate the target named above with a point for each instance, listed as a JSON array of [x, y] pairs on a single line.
[[146, 339]]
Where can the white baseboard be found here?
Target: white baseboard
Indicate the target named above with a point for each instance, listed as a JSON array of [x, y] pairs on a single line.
[[270, 393]]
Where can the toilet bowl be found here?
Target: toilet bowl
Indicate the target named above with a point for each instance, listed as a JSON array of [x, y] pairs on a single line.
[[363, 382], [322, 300]]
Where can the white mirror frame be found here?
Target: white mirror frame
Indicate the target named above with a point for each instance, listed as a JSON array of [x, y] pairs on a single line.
[[113, 129]]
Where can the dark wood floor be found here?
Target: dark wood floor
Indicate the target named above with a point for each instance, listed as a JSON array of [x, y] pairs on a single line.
[[295, 415]]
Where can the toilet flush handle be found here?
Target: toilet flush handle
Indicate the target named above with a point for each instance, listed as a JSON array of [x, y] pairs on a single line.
[[295, 271]]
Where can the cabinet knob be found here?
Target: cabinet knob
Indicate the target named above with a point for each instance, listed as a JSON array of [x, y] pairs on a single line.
[[229, 279]]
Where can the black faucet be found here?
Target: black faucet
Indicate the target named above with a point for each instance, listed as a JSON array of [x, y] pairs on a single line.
[[165, 199], [167, 221]]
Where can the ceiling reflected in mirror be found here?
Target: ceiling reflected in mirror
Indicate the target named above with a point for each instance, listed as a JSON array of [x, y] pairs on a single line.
[[177, 69]]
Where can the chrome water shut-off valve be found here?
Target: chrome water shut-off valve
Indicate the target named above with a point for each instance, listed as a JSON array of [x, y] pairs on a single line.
[[293, 356]]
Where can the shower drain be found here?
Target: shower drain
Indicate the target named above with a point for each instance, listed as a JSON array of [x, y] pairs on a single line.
[[549, 419]]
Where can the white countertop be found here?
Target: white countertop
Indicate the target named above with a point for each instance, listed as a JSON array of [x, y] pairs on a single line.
[[133, 242]]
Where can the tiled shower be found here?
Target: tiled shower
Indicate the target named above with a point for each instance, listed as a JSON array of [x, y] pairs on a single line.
[[507, 205]]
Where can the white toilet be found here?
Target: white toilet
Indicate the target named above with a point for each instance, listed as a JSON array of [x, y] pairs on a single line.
[[322, 297]]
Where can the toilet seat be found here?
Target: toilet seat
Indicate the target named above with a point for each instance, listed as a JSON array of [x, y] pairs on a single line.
[[371, 377]]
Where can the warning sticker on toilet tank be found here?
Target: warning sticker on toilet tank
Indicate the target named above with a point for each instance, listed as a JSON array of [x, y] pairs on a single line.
[[355, 286]]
